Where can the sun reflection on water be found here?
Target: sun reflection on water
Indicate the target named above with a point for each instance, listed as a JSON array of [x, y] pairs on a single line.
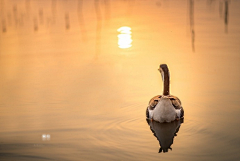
[[124, 37]]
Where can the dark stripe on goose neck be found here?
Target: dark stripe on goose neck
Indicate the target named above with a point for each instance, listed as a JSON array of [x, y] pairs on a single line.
[[166, 79]]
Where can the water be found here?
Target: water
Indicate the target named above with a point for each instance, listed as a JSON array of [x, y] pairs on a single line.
[[73, 89]]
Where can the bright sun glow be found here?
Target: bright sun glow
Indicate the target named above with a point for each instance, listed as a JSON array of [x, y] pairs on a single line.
[[124, 37]]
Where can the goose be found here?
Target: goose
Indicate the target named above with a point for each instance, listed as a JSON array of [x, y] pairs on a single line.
[[166, 107]]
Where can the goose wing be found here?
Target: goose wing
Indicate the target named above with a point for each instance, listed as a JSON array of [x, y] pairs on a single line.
[[177, 104], [152, 103]]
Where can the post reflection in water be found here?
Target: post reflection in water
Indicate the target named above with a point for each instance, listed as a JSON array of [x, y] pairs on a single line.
[[191, 15], [98, 27], [224, 12], [67, 21], [226, 16], [165, 133], [125, 37], [81, 20]]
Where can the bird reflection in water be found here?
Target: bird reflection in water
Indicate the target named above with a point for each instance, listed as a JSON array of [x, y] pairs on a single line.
[[165, 133]]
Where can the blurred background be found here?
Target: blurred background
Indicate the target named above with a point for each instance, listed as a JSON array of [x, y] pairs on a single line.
[[76, 77]]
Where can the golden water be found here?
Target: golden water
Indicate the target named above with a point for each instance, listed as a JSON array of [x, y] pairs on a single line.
[[75, 84]]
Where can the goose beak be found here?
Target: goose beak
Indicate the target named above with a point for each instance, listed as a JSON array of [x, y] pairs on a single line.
[[160, 70]]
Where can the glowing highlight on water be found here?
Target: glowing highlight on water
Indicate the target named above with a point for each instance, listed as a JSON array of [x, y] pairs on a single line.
[[124, 37]]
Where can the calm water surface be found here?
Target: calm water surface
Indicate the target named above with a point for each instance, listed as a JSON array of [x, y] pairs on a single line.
[[74, 85]]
